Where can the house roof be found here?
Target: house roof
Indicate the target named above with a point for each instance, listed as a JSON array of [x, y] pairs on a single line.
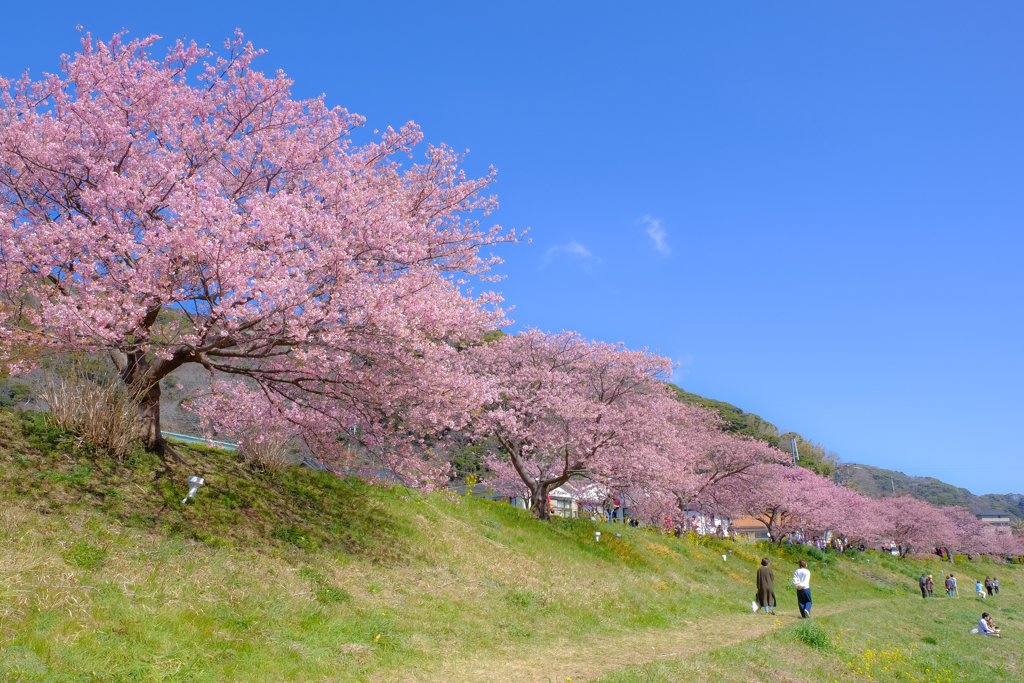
[[991, 513], [748, 524]]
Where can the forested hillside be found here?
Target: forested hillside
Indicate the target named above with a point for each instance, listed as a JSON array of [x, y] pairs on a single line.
[[876, 482], [813, 455]]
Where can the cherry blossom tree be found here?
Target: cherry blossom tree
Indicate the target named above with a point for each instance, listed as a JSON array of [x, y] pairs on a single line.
[[785, 500], [174, 211], [566, 408], [914, 525], [701, 465], [859, 518]]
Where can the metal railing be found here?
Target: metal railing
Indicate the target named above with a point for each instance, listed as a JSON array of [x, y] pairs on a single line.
[[200, 441]]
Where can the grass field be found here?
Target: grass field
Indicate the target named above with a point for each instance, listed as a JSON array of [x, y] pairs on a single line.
[[106, 576]]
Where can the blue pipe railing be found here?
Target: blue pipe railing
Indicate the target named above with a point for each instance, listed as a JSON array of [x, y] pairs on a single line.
[[200, 440]]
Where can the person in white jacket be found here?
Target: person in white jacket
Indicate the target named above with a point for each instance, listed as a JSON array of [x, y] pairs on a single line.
[[802, 581]]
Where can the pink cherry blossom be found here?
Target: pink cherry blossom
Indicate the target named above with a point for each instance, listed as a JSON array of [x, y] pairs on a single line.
[[180, 211]]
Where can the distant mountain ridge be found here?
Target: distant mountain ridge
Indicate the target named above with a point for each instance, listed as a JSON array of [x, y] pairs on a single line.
[[877, 482]]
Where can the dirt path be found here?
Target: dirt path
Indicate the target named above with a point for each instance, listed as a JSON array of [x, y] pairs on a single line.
[[591, 657]]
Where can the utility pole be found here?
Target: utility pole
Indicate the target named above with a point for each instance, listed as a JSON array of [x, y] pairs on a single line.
[[792, 447], [893, 484]]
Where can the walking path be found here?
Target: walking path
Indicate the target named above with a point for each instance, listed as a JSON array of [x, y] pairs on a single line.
[[593, 656]]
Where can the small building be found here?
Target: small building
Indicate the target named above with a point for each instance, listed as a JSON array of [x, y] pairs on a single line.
[[995, 521], [750, 528]]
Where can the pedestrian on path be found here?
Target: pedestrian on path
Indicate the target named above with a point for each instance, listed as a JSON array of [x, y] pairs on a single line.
[[956, 591], [988, 585], [929, 585], [766, 587], [995, 585], [802, 581], [922, 583]]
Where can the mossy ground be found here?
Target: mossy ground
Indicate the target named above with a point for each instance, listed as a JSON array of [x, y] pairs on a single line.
[[106, 576]]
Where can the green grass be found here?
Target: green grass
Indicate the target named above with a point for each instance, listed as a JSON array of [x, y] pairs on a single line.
[[107, 576], [925, 641]]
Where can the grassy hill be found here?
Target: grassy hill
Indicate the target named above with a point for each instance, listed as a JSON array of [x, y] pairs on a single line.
[[107, 576]]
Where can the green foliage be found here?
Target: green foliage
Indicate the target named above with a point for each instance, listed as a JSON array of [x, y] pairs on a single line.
[[85, 555], [736, 420], [13, 393], [812, 634], [326, 592], [520, 598], [813, 456]]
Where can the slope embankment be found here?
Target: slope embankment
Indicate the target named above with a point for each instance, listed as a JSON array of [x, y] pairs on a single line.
[[106, 575]]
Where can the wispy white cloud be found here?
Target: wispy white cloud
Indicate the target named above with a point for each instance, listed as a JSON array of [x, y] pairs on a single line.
[[574, 250], [656, 233]]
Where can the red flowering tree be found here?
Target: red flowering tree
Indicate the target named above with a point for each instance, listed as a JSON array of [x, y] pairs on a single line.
[[168, 211], [565, 408]]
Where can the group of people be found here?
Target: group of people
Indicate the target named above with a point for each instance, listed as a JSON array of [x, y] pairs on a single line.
[[989, 587], [765, 597]]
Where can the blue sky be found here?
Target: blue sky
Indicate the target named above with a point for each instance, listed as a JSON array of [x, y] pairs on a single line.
[[815, 208]]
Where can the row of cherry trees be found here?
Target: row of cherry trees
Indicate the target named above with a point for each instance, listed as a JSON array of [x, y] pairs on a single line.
[[565, 409], [188, 210]]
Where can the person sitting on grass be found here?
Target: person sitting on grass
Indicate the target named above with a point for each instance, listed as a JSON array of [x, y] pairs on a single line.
[[986, 627]]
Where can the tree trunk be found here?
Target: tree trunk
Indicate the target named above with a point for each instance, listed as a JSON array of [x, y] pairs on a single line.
[[149, 418], [143, 376], [539, 502]]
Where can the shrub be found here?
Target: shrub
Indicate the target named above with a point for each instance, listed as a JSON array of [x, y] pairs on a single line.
[[85, 556], [89, 401], [271, 452], [810, 633]]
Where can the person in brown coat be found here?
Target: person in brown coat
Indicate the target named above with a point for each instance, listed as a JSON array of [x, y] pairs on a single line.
[[766, 587], [929, 585]]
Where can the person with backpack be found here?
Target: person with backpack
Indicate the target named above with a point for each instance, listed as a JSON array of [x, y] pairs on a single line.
[[802, 581]]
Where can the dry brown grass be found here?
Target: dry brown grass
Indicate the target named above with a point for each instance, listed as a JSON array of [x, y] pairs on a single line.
[[271, 452], [98, 409]]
